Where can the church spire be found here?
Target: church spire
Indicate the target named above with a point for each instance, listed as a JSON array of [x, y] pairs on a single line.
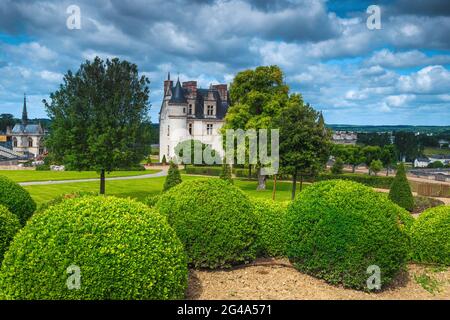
[[24, 111]]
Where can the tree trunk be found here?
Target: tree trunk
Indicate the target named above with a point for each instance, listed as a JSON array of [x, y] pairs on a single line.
[[274, 186], [261, 181], [353, 168], [387, 171], [102, 181], [294, 184], [301, 183], [249, 171]]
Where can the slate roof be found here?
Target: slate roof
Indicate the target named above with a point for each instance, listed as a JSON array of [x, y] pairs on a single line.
[[178, 94], [29, 128]]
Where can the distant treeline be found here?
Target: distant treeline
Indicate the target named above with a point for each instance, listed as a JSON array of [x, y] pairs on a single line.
[[398, 128]]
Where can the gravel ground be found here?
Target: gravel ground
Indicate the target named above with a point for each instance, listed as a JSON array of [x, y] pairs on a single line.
[[276, 279]]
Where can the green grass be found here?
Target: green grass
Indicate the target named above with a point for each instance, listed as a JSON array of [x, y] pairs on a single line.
[[434, 151], [141, 188], [31, 175]]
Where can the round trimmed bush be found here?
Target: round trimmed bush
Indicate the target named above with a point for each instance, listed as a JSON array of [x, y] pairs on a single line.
[[62, 198], [9, 225], [16, 199], [214, 220], [336, 229], [430, 236], [123, 250], [271, 240]]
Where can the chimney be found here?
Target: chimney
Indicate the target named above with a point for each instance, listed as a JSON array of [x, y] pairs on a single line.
[[223, 91], [168, 85], [191, 87]]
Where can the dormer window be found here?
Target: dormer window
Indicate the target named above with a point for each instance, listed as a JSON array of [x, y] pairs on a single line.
[[210, 110], [190, 109]]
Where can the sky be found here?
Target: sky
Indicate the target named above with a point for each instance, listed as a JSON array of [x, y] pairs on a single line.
[[396, 75]]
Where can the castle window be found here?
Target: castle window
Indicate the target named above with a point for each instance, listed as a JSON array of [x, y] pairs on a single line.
[[210, 110], [15, 142], [184, 110], [209, 129], [30, 142], [168, 130], [190, 109], [190, 128]]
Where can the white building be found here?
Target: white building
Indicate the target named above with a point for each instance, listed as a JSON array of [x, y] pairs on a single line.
[[27, 139], [344, 137], [421, 162], [188, 112]]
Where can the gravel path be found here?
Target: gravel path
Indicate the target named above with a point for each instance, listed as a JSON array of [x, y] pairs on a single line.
[[161, 173], [277, 280]]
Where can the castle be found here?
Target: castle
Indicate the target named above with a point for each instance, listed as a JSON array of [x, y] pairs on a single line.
[[188, 112]]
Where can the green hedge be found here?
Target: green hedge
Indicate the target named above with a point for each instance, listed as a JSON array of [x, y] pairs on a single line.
[[214, 220], [16, 199], [124, 251], [271, 240], [9, 225], [43, 167], [381, 182], [207, 171], [337, 229], [430, 236]]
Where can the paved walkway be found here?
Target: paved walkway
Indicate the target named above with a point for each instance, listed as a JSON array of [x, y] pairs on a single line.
[[161, 173]]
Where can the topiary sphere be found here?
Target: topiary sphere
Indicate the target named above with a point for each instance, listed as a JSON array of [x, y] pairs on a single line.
[[430, 236], [214, 220], [336, 229], [271, 215], [16, 199], [9, 225], [123, 250]]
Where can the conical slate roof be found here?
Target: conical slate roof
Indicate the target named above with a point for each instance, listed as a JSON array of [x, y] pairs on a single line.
[[178, 94]]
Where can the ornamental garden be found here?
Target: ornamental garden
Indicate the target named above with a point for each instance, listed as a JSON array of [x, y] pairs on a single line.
[[68, 241]]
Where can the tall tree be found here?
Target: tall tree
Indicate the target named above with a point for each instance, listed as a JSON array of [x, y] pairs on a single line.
[[100, 117], [371, 153], [304, 141], [407, 145], [257, 97], [6, 120], [388, 157]]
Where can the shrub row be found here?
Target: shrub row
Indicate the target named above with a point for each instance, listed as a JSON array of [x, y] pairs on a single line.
[[207, 171], [381, 182]]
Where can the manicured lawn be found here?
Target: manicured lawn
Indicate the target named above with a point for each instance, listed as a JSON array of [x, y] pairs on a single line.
[[434, 151], [140, 189], [31, 175]]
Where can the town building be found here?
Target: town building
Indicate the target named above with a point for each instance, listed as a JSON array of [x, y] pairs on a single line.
[[344, 137], [27, 138]]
